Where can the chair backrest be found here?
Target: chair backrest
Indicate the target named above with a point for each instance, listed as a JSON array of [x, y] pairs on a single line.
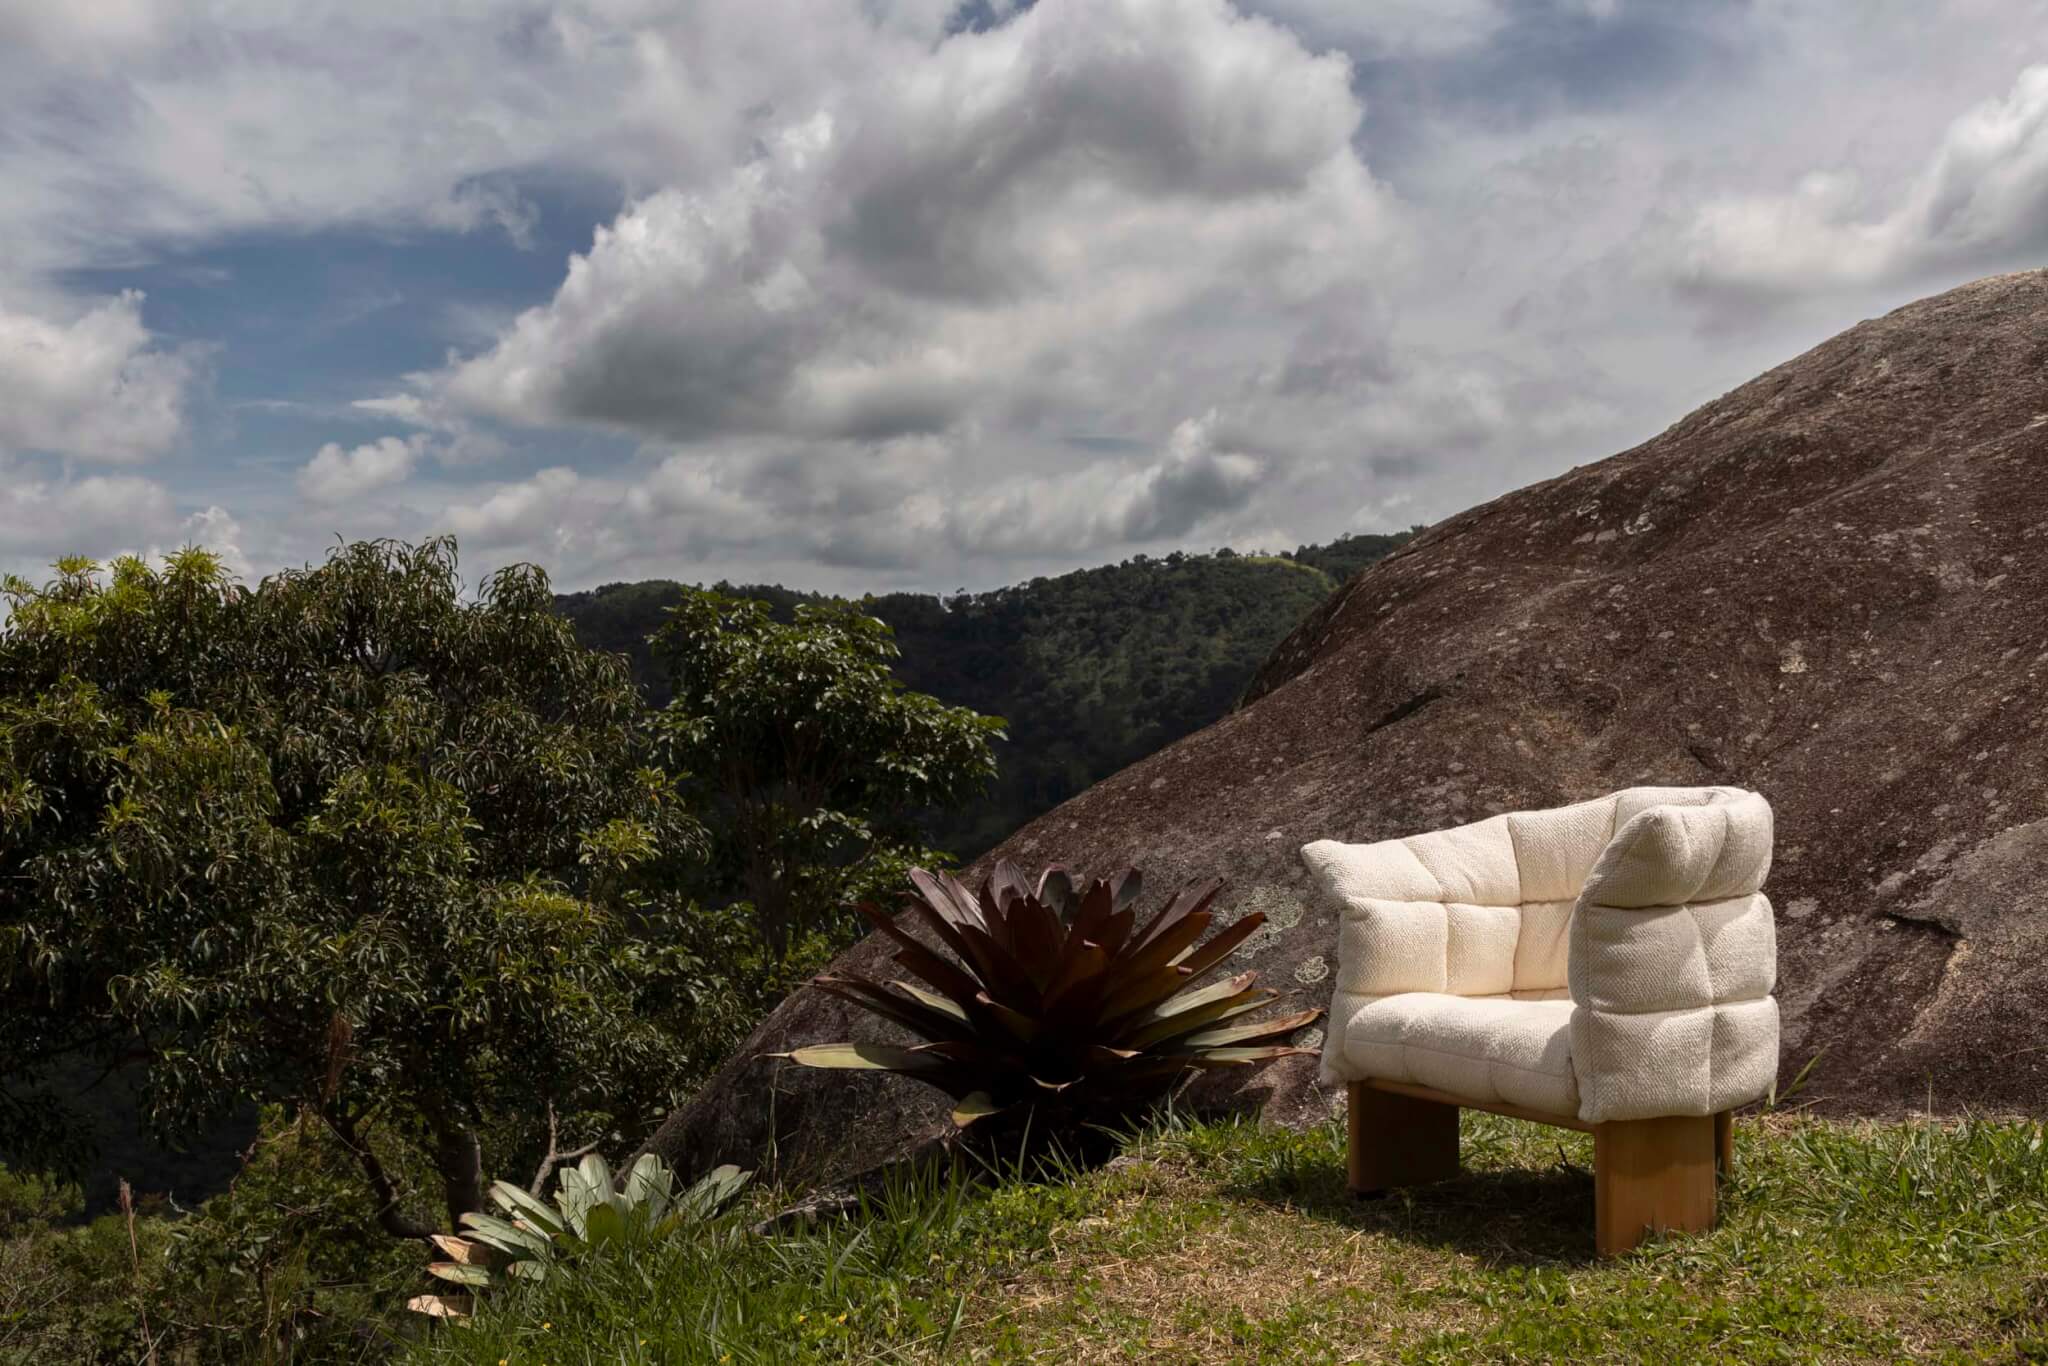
[[1504, 889], [1559, 850]]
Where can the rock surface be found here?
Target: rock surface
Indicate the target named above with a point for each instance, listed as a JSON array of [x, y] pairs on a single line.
[[1830, 585]]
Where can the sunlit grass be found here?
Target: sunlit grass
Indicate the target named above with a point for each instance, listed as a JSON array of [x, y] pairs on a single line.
[[1230, 1242]]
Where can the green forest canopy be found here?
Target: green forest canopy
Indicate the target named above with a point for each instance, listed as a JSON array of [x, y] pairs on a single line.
[[1093, 670]]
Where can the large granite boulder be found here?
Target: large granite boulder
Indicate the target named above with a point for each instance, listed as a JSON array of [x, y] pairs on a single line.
[[1830, 585]]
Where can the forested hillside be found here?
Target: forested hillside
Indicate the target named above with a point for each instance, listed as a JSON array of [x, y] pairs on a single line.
[[1093, 669]]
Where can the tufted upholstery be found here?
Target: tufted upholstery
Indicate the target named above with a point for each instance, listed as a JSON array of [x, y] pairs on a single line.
[[1613, 959]]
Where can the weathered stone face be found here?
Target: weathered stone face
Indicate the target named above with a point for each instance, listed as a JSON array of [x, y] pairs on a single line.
[[1830, 585]]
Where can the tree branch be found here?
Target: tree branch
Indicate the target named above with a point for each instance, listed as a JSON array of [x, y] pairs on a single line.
[[390, 1217], [555, 1156]]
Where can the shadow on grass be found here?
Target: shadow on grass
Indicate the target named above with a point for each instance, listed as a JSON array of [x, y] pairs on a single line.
[[1512, 1217]]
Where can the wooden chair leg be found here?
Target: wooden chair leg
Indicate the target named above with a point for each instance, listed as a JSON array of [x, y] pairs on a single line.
[[1399, 1140], [1652, 1174], [1724, 1142]]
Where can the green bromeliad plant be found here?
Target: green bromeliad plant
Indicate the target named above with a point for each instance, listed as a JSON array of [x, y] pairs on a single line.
[[590, 1209], [1057, 995]]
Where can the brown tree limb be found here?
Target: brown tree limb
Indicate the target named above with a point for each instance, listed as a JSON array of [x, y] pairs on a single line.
[[555, 1156], [391, 1216]]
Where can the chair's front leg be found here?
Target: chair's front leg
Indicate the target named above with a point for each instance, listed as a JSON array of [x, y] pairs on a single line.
[[1652, 1174], [1397, 1140]]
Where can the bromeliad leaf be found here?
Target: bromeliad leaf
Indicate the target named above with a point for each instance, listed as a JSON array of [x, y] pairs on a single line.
[[507, 1238], [980, 1105], [863, 1057], [519, 1204]]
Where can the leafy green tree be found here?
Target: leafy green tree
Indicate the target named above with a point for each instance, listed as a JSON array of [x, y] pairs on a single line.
[[1092, 670], [350, 841], [812, 754]]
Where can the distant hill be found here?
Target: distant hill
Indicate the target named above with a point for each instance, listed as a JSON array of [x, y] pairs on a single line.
[[1093, 669]]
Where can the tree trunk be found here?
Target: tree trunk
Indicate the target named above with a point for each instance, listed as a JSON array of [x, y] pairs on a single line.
[[459, 1158]]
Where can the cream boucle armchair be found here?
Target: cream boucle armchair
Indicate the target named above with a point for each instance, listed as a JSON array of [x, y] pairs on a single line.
[[1606, 966]]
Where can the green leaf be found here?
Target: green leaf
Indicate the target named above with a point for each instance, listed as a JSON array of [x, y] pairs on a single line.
[[711, 1192], [648, 1185], [863, 1057], [602, 1224], [595, 1172], [1260, 1029], [977, 1106], [460, 1273], [1151, 1028], [506, 1237], [520, 1204], [943, 1004]]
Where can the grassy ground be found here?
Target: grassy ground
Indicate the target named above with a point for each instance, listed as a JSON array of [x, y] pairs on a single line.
[[1220, 1243]]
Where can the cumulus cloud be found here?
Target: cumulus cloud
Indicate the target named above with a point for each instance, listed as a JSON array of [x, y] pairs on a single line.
[[456, 440], [335, 475], [1084, 221], [1396, 28], [1981, 195], [898, 264], [215, 528], [891, 292], [42, 518], [876, 509], [239, 116], [95, 387], [103, 517], [521, 512], [1103, 506]]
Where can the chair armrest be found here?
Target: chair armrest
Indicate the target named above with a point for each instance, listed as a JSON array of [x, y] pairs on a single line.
[[1673, 958], [1676, 855], [1393, 933], [1387, 943]]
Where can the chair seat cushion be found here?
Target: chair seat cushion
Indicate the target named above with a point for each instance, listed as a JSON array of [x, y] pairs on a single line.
[[1480, 1048]]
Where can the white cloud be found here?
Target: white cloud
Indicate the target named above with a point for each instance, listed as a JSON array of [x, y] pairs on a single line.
[[93, 388], [1394, 28], [238, 116], [959, 239], [883, 305], [86, 31], [1982, 194], [1103, 507], [103, 517], [215, 529], [98, 515], [457, 440], [335, 475], [873, 509], [519, 513], [1076, 223]]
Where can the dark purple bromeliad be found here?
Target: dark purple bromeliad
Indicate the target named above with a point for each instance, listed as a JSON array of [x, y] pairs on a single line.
[[1056, 995]]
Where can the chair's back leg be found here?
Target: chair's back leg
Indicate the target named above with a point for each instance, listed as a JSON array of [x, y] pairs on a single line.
[[1724, 1142], [1397, 1140], [1652, 1174]]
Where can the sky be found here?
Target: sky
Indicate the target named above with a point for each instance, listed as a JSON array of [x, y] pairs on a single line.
[[884, 294]]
